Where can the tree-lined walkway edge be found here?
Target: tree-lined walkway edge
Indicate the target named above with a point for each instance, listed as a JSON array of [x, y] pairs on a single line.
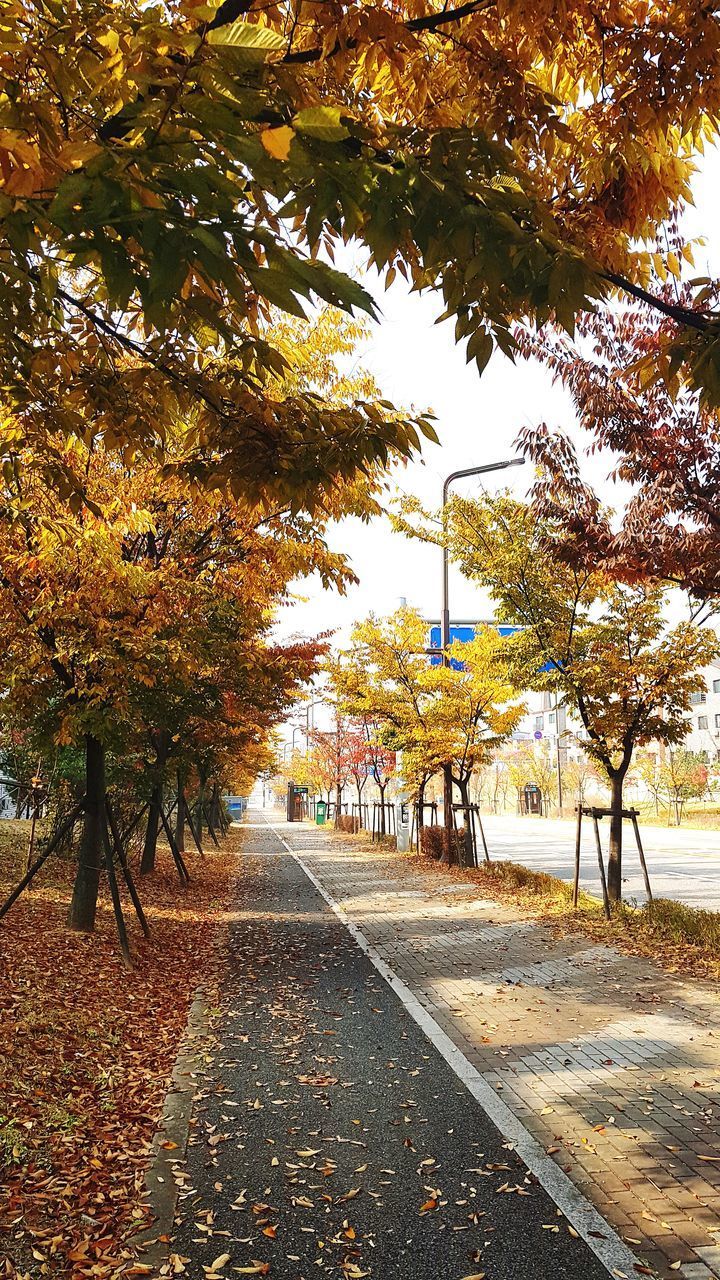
[[612, 1068], [607, 1246]]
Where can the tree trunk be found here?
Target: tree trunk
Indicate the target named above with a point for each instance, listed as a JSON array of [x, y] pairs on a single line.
[[420, 808], [147, 863], [448, 849], [215, 807], [338, 802], [200, 805], [464, 789], [180, 813], [83, 907], [616, 833], [359, 786], [383, 830]]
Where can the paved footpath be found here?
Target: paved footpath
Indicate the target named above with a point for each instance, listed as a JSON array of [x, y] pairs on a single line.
[[328, 1136], [609, 1062]]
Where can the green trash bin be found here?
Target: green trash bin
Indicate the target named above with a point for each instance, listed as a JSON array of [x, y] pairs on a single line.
[[320, 812]]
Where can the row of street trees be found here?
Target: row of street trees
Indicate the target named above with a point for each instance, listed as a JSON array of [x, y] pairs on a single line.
[[136, 610], [603, 648], [667, 780], [169, 175]]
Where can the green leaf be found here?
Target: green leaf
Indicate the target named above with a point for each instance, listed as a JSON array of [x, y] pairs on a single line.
[[322, 123], [247, 38]]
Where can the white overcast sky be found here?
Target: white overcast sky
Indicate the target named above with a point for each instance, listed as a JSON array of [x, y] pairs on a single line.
[[417, 364]]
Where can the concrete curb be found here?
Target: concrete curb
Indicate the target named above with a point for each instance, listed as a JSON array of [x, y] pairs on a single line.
[[174, 1127]]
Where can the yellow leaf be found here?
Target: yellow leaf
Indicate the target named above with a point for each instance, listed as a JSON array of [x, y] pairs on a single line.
[[277, 141], [109, 40]]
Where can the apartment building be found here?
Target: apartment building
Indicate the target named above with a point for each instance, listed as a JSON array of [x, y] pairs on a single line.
[[555, 727], [704, 720]]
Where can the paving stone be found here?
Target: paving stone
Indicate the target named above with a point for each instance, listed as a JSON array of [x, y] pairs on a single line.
[[585, 1033]]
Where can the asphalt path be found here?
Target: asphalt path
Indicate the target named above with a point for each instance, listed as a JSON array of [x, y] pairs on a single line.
[[683, 864], [329, 1137]]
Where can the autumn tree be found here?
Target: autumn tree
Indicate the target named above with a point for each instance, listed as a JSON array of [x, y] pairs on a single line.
[[661, 438], [385, 681], [477, 708], [683, 776], [334, 753], [603, 647], [139, 624], [168, 174], [358, 763], [526, 764], [580, 778], [434, 715]]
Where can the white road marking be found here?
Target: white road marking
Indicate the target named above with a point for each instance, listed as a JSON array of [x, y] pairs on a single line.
[[605, 1243]]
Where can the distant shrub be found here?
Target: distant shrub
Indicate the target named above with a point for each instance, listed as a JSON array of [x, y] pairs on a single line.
[[348, 824], [432, 843], [512, 875]]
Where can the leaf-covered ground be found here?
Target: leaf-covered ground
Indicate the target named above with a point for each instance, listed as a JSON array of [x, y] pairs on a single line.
[[86, 1050]]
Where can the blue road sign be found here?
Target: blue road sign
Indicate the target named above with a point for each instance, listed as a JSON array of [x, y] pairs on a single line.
[[463, 631]]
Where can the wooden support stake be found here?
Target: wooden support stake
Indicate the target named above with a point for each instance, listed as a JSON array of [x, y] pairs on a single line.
[[115, 895], [473, 835], [177, 856], [191, 824], [57, 839], [643, 863], [210, 827], [482, 836], [578, 837], [601, 864], [31, 842], [122, 859], [126, 834]]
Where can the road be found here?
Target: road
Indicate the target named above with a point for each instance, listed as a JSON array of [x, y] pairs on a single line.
[[683, 864], [329, 1137]]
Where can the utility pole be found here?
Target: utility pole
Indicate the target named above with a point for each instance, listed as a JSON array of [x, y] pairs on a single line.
[[445, 618]]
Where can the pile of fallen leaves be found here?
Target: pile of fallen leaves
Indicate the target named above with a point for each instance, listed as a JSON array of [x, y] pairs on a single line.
[[86, 1052]]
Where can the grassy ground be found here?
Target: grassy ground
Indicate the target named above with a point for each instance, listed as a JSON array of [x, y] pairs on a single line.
[[678, 937], [86, 1051]]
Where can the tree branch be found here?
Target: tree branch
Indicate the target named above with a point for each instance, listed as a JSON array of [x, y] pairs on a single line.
[[428, 22], [682, 315]]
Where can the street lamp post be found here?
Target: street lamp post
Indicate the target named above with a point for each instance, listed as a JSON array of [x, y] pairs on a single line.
[[317, 702], [445, 612]]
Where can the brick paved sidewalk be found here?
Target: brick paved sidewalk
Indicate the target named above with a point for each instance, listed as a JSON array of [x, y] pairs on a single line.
[[611, 1063]]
